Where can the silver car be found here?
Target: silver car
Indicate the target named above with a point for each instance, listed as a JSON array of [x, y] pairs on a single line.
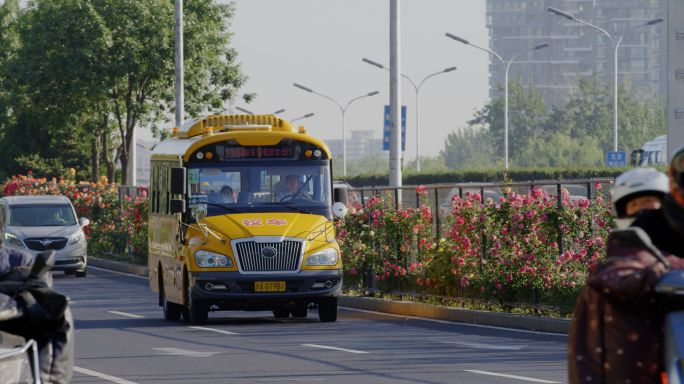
[[40, 223]]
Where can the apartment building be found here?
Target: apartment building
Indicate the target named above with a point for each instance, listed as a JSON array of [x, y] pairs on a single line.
[[577, 50]]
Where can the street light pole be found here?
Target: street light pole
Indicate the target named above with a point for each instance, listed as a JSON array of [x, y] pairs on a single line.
[[417, 89], [343, 111], [247, 111], [616, 44], [302, 117], [507, 67]]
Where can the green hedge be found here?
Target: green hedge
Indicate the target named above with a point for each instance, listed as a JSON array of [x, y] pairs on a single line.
[[487, 175]]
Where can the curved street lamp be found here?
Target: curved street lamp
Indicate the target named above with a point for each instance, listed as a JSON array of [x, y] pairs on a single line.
[[301, 117], [417, 88], [343, 110], [616, 44], [507, 67]]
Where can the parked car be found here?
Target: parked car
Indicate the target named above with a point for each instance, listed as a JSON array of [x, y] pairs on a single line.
[[575, 191], [353, 197], [493, 193], [40, 223]]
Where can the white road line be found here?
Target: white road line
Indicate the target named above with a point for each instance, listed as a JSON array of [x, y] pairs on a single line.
[[117, 272], [183, 352], [276, 379], [215, 330], [454, 322], [126, 314], [484, 346], [333, 348], [523, 378], [103, 376]]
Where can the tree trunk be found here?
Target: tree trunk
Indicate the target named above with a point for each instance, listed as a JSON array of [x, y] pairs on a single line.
[[95, 158], [106, 157]]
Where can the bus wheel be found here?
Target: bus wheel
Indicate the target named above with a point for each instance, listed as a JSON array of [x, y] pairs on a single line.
[[300, 310], [172, 311], [327, 309], [281, 312], [196, 312]]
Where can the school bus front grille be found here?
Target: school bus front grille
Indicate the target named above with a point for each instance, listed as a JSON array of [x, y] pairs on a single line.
[[282, 256]]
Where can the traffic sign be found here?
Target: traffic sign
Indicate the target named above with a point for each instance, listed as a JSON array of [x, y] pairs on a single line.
[[616, 159], [386, 129]]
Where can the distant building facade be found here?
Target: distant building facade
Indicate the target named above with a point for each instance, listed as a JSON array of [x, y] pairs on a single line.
[[577, 50], [361, 145]]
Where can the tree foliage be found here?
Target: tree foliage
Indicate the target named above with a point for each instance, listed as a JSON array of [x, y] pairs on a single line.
[[86, 73], [578, 133]]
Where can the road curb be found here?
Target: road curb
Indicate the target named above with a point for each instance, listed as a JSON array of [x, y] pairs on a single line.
[[118, 266], [498, 319], [405, 308]]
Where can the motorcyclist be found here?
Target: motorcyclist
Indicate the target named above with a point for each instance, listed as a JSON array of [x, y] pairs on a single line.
[[43, 313], [638, 190], [616, 335]]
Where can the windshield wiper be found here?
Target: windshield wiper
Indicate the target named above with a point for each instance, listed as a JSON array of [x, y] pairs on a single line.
[[287, 205], [229, 209]]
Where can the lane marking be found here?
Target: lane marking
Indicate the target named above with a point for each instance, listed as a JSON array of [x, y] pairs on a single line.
[[484, 346], [523, 378], [333, 348], [126, 314], [117, 272], [215, 330], [183, 352], [103, 376], [454, 322], [289, 379]]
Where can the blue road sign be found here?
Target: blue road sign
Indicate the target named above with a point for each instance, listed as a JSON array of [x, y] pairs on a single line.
[[616, 159], [386, 129]]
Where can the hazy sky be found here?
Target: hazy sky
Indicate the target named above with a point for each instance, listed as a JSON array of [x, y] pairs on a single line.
[[320, 43]]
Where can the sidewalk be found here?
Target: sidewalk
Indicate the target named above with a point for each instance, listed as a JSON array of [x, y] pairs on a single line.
[[406, 308]]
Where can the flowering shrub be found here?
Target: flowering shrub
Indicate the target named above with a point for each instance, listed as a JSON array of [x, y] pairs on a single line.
[[116, 228], [509, 249]]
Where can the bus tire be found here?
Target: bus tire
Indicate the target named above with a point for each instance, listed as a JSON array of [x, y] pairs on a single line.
[[195, 312], [300, 310], [327, 309], [172, 311], [281, 312], [198, 313]]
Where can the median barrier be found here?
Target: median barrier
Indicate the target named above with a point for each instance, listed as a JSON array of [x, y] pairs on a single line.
[[405, 308]]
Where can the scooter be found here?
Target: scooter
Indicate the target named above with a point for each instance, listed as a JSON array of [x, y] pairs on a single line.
[[36, 327]]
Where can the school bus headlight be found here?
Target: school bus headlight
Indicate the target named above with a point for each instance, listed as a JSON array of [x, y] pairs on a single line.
[[206, 259], [327, 256]]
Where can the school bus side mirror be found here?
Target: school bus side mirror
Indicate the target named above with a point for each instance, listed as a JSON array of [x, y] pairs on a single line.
[[177, 206], [178, 181], [339, 210]]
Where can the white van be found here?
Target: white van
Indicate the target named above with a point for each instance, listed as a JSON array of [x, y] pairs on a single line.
[[39, 223], [653, 152]]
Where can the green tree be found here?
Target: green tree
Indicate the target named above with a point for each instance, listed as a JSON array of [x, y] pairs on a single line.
[[470, 147], [104, 64]]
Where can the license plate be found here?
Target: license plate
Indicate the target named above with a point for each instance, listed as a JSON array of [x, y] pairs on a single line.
[[269, 286]]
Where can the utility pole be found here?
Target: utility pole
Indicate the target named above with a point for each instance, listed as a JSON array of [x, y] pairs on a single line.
[[395, 100], [180, 95]]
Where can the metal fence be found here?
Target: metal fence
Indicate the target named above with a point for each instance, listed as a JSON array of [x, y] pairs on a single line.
[[439, 196]]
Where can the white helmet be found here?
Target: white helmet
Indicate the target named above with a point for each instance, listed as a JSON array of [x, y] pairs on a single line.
[[635, 183]]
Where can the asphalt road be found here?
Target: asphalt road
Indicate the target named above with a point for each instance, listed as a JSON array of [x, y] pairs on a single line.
[[121, 337]]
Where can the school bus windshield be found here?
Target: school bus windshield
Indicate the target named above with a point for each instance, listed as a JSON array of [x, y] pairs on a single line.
[[260, 186]]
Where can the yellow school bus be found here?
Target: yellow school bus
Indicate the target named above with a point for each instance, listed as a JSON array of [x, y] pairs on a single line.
[[241, 218]]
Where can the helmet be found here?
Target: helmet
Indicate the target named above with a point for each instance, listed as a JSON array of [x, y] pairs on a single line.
[[635, 183]]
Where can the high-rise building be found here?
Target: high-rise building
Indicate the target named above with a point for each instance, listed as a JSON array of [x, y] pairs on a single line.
[[362, 145], [577, 50]]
